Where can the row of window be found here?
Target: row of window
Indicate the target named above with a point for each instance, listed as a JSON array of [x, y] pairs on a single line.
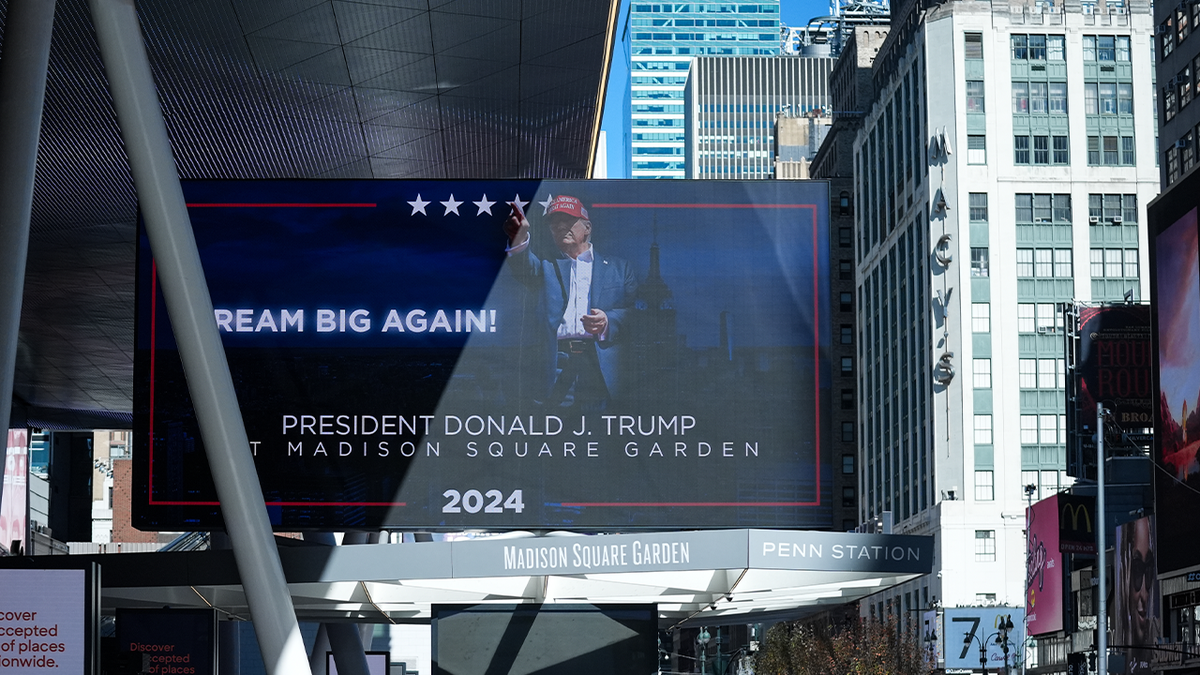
[[1044, 484], [1035, 429], [1047, 150], [1042, 317], [1179, 91], [1046, 208], [1096, 48], [690, 23], [1177, 27], [1041, 150], [700, 37], [1044, 263], [719, 7]]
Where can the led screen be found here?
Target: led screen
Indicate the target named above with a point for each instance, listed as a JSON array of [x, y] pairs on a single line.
[[652, 355], [46, 621], [182, 641], [1136, 610], [1175, 275]]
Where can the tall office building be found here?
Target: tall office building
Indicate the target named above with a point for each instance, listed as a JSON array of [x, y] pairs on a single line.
[[1178, 60], [663, 40], [730, 108], [1002, 168]]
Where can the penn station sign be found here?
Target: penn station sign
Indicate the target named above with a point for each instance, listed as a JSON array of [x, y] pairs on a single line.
[[683, 551]]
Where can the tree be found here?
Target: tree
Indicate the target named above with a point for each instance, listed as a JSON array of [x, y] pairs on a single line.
[[862, 647]]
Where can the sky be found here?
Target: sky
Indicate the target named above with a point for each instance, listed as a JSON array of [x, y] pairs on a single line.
[[791, 12]]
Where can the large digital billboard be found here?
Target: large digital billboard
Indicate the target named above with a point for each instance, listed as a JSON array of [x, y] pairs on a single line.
[[48, 621], [603, 355], [1136, 610], [1175, 291], [1112, 364]]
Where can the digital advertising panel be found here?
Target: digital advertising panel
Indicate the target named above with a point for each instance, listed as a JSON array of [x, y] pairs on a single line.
[[14, 500], [1175, 290], [178, 641], [1136, 609], [47, 621], [971, 633], [1043, 572], [1113, 365], [424, 354]]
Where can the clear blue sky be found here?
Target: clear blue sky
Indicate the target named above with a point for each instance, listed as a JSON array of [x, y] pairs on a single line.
[[791, 12]]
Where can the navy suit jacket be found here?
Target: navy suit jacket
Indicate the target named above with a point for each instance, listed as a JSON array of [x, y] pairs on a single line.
[[612, 291]]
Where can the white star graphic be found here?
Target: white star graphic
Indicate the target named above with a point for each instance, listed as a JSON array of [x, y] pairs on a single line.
[[546, 204], [484, 206], [419, 206], [451, 206], [517, 200]]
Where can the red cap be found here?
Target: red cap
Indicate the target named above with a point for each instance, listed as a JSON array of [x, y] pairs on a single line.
[[568, 205]]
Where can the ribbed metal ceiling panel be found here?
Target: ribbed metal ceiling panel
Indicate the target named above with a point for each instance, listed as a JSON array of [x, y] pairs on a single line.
[[282, 89]]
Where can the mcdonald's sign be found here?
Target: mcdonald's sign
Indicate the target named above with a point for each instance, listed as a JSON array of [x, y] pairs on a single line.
[[1076, 524]]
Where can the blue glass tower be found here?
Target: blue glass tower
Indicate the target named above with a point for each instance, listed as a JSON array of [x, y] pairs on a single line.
[[663, 40]]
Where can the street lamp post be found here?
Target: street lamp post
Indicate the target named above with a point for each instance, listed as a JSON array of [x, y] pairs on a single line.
[[1101, 545]]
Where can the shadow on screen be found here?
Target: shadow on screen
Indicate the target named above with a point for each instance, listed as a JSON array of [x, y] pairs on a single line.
[[544, 639]]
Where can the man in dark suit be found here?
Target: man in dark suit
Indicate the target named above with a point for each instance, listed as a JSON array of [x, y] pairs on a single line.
[[583, 301]]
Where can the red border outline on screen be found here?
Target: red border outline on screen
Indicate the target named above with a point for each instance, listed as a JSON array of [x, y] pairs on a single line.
[[812, 208]]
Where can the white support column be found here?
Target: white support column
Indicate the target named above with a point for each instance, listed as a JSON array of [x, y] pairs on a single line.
[[188, 303], [22, 92]]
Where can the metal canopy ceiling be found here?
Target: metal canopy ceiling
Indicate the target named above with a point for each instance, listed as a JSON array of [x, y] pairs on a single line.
[[282, 89]]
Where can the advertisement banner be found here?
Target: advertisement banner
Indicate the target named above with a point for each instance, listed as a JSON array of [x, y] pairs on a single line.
[[1175, 261], [1113, 364], [14, 505], [1137, 607], [177, 640], [972, 634], [503, 354], [45, 616], [1043, 572], [1076, 524]]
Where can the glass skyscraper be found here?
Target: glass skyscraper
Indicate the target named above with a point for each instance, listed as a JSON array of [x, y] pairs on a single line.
[[663, 39]]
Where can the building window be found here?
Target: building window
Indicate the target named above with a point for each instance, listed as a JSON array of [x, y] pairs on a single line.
[[1049, 319], [984, 489], [981, 317], [1020, 149], [845, 237], [1027, 373], [1058, 98], [1115, 209], [983, 429], [844, 203], [847, 365], [1046, 377], [976, 149], [975, 96], [982, 371], [1029, 427], [847, 496], [1114, 263], [1110, 151], [1020, 47], [978, 204], [847, 432], [847, 334], [1048, 433], [847, 464], [1024, 263], [847, 399], [985, 545], [1020, 98], [979, 262], [1106, 48], [1025, 318], [845, 270], [846, 301], [973, 45]]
